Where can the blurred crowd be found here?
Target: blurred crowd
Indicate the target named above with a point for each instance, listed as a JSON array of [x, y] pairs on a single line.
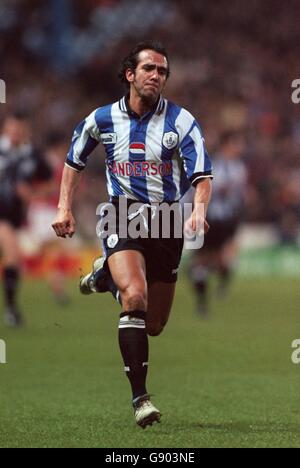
[[232, 65]]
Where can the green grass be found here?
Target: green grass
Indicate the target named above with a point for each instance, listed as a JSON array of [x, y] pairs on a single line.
[[223, 382]]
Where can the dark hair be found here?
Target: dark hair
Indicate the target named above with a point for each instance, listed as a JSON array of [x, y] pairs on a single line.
[[132, 60]]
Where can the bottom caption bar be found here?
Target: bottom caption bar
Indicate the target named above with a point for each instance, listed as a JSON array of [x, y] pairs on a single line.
[[136, 457]]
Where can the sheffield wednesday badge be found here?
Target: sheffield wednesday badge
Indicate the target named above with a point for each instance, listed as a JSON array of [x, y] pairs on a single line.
[[170, 140]]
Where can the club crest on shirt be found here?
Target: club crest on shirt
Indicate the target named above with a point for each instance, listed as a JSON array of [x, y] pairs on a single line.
[[170, 140], [112, 240]]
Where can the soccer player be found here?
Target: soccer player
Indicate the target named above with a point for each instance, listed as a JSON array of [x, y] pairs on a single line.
[[154, 152], [224, 216], [20, 167]]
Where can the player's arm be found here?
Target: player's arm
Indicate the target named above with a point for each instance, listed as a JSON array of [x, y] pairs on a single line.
[[64, 223], [84, 141], [201, 201], [198, 169]]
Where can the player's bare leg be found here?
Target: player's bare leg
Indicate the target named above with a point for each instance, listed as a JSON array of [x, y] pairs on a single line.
[[11, 260], [128, 270], [9, 245], [160, 300], [56, 278]]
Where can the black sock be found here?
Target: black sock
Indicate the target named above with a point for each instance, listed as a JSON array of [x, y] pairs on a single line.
[[10, 283], [133, 341]]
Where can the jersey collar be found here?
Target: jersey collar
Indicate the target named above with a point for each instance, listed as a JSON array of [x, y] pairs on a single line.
[[124, 106]]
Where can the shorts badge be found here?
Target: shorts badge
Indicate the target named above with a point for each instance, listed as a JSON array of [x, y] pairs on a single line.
[[112, 240]]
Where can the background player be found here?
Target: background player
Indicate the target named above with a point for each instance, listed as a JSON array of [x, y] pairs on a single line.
[[224, 216], [20, 167]]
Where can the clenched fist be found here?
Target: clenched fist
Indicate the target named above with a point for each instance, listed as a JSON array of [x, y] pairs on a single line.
[[64, 223]]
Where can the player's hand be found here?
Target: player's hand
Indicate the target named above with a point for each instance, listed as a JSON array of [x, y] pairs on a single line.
[[196, 224], [64, 224]]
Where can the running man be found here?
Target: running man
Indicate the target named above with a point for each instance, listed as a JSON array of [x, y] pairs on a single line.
[[154, 152]]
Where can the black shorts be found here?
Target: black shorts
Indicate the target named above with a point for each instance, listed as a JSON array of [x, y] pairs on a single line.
[[162, 255]]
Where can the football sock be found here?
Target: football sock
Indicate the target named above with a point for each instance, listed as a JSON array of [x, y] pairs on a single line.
[[10, 283], [133, 341]]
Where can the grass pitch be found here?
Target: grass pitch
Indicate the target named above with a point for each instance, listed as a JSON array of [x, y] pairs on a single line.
[[227, 381]]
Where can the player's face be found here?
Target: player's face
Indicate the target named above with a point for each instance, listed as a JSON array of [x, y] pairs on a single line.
[[150, 75]]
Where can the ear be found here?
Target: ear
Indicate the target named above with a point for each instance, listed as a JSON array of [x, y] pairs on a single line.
[[129, 75]]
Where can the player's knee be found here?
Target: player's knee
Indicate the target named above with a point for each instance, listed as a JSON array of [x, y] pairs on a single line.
[[154, 329], [134, 297], [136, 301]]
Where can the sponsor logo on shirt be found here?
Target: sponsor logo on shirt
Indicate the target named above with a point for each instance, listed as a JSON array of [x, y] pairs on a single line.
[[137, 148], [108, 138], [141, 168]]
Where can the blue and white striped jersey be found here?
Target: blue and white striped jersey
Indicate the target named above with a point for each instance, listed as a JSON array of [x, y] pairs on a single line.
[[153, 158]]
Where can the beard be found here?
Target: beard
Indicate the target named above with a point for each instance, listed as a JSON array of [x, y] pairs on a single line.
[[150, 99]]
